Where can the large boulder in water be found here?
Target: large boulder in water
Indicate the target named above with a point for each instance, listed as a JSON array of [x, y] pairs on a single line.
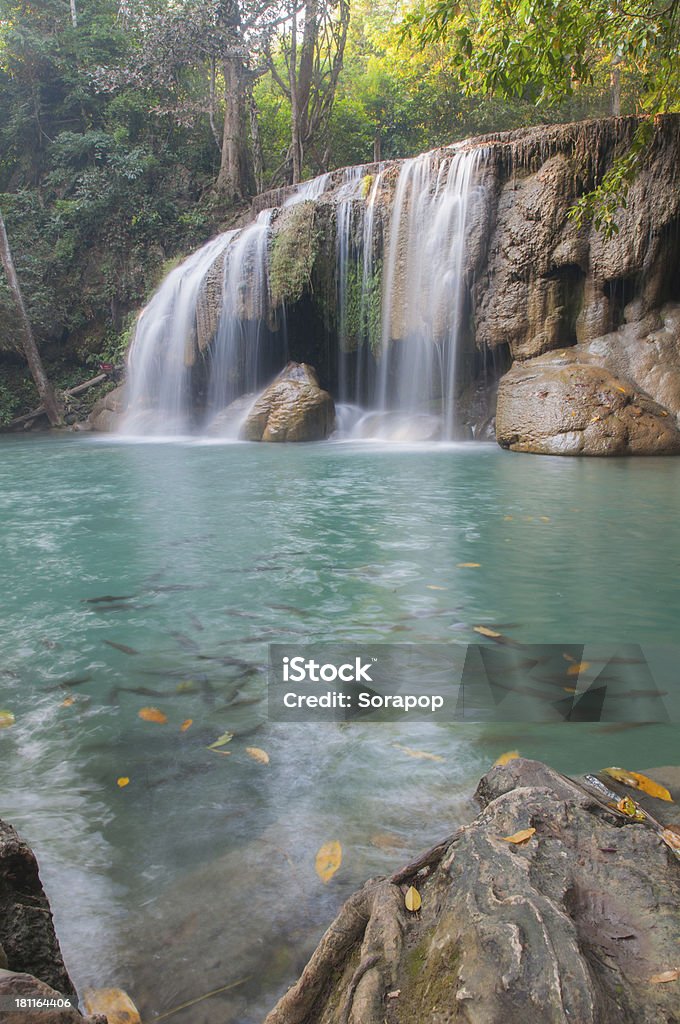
[[579, 922], [566, 403], [293, 408]]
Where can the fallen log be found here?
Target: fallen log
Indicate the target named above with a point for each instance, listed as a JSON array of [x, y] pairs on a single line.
[[79, 389]]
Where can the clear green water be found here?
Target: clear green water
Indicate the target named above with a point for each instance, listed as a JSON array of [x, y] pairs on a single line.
[[200, 872]]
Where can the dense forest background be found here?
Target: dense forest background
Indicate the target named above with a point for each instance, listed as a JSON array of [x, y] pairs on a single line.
[[133, 130]]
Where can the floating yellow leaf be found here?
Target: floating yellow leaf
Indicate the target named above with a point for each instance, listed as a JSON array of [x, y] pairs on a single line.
[[651, 788], [221, 741], [114, 1003], [257, 754], [418, 753], [123, 781], [509, 755], [412, 899], [485, 631], [328, 860], [577, 667], [6, 719], [507, 518], [469, 565], [186, 724], [665, 976], [433, 586], [152, 715], [519, 837], [68, 701]]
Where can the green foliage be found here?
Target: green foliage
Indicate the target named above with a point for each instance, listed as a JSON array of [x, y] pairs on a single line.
[[293, 252]]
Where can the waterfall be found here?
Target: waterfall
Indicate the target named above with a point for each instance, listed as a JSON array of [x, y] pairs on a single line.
[[424, 292], [209, 335]]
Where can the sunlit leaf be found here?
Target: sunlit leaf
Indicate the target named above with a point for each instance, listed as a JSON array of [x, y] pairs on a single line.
[[519, 837], [6, 719], [221, 741], [114, 1003], [637, 781], [469, 565], [123, 781], [630, 808], [651, 787], [485, 631], [257, 754], [509, 755], [423, 754], [412, 899], [665, 977], [186, 724], [328, 860], [578, 667], [152, 715], [620, 775]]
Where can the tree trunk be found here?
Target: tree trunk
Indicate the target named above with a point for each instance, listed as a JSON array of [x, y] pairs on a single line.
[[615, 92], [74, 14], [46, 392], [377, 146], [231, 178]]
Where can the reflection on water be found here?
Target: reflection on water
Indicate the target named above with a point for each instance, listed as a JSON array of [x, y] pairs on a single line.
[[156, 575]]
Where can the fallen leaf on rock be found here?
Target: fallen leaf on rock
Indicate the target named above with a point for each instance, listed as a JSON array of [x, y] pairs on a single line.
[[6, 719], [671, 838], [509, 755], [153, 715], [186, 724], [665, 976], [328, 860], [630, 808], [257, 754], [123, 781], [412, 899], [114, 1003], [418, 753], [637, 781], [485, 631], [469, 565], [519, 837], [651, 788], [221, 741]]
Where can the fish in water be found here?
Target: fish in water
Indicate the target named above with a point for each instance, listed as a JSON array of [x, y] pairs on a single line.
[[195, 622], [121, 647], [108, 599], [185, 642], [66, 684]]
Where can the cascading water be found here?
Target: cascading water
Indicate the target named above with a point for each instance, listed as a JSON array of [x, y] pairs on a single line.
[[209, 335], [424, 293]]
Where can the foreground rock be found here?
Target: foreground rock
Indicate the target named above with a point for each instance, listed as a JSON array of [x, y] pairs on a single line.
[[16, 987], [293, 408], [577, 924], [568, 403], [31, 964]]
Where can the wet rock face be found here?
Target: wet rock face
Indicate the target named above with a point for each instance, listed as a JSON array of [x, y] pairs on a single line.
[[568, 926], [564, 403], [293, 408], [27, 934], [107, 413]]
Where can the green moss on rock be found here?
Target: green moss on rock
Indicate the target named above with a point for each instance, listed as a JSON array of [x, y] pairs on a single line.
[[294, 248]]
